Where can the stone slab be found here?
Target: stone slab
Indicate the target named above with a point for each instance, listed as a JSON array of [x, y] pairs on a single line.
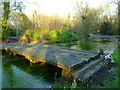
[[61, 57]]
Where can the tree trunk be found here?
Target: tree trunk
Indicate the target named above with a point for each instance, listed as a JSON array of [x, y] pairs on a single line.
[[6, 13]]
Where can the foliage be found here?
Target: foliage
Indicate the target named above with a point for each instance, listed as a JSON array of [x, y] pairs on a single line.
[[106, 28], [61, 36], [74, 84], [30, 35], [53, 36], [44, 22], [91, 20], [20, 21], [6, 13], [86, 20], [64, 85], [67, 22], [68, 36], [57, 85], [9, 8]]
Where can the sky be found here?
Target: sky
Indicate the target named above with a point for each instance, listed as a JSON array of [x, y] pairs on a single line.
[[61, 7]]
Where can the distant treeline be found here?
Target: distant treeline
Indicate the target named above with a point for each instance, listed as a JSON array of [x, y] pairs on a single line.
[[85, 21]]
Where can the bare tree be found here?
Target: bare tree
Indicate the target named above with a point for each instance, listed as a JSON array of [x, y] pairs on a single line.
[[82, 11], [117, 2]]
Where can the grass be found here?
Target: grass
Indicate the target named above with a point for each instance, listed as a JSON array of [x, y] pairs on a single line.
[[115, 55], [65, 85]]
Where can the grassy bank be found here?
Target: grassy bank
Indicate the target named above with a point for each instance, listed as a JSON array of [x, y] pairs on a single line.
[[115, 55]]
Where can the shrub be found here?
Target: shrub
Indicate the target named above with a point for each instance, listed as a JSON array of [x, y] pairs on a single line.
[[105, 28], [53, 36], [30, 35], [61, 36], [23, 38]]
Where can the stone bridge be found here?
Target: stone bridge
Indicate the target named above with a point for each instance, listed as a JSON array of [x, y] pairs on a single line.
[[79, 64]]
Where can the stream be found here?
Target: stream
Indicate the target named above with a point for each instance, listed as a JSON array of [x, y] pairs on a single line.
[[18, 73]]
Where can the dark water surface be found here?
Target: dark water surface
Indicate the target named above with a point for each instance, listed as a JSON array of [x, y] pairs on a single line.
[[18, 73]]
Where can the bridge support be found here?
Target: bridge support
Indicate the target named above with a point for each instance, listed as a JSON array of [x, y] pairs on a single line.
[[65, 72]]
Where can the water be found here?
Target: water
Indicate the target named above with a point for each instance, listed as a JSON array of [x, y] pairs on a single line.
[[107, 43], [18, 73], [0, 71]]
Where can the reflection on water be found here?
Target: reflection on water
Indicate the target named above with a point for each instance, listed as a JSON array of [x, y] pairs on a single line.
[[17, 73], [94, 43]]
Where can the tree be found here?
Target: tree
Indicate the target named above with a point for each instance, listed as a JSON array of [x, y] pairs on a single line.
[[56, 23], [115, 24], [117, 2], [82, 11], [6, 8], [87, 20], [106, 26], [9, 8], [20, 21], [67, 22], [1, 13], [17, 15]]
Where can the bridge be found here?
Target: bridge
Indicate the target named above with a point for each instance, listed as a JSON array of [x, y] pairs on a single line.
[[79, 64]]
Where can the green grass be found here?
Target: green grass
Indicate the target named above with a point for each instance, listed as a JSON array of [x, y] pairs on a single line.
[[115, 55], [65, 85]]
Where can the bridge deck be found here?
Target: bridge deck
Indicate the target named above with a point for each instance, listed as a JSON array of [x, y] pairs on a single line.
[[62, 57]]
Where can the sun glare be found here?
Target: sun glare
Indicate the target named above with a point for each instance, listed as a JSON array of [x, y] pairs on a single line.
[[60, 7]]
